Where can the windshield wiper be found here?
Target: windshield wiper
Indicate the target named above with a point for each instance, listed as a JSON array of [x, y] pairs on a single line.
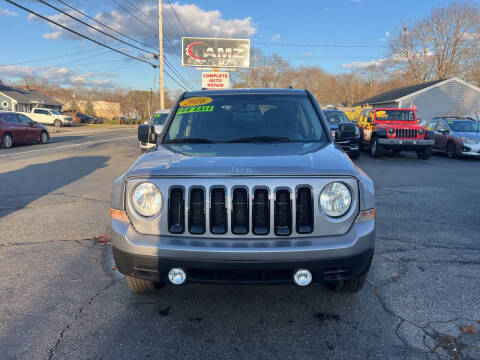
[[187, 140], [261, 139]]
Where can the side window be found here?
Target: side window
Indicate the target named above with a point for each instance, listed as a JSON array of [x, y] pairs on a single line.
[[433, 125], [36, 111], [370, 117], [24, 119], [441, 125], [10, 118]]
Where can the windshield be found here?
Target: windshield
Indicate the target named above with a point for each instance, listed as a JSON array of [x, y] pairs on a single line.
[[395, 115], [55, 112], [335, 117], [158, 119], [246, 118], [463, 125]]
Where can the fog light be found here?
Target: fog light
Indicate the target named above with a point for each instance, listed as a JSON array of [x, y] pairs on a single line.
[[177, 276], [302, 277]]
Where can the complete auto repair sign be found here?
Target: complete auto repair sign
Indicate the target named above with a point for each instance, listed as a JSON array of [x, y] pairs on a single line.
[[215, 80], [210, 52]]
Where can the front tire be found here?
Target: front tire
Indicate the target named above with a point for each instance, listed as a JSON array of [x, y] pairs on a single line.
[[425, 153], [451, 150], [348, 286], [140, 286], [57, 123], [7, 141], [44, 137], [376, 149], [356, 154]]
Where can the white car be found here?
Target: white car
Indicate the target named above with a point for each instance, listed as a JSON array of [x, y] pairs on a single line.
[[158, 121], [49, 117]]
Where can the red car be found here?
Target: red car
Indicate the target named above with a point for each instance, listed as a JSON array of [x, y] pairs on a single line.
[[17, 128], [394, 129]]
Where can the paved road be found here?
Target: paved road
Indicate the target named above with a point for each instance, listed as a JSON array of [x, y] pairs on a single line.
[[60, 298]]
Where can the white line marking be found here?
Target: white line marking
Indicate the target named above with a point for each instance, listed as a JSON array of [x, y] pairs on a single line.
[[73, 133], [66, 146]]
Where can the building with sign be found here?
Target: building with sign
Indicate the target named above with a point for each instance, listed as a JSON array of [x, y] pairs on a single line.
[[446, 97]]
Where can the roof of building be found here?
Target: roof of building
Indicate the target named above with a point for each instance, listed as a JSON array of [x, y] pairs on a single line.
[[393, 95], [27, 96]]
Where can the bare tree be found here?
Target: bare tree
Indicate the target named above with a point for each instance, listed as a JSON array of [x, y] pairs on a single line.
[[441, 45]]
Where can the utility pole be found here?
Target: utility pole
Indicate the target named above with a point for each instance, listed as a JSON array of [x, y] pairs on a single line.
[[160, 46]]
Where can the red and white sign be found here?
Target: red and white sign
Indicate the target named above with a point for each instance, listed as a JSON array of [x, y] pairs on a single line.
[[215, 80]]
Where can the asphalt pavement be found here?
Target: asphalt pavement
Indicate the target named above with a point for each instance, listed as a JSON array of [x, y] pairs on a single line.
[[61, 297]]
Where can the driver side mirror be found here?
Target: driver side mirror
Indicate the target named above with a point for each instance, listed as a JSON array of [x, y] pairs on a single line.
[[146, 133]]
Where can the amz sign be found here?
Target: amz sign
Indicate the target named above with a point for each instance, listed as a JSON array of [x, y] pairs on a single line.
[[211, 52]]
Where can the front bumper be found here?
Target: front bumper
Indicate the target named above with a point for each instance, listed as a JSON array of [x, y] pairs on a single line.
[[470, 150], [350, 145], [406, 143], [329, 258]]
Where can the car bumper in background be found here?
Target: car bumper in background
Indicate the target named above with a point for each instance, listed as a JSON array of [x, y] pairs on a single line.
[[406, 143], [470, 150], [329, 258]]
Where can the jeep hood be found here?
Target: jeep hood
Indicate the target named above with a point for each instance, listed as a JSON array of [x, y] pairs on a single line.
[[246, 159]]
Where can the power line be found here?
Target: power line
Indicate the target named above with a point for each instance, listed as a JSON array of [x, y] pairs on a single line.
[[139, 20], [77, 33], [93, 27], [51, 57], [147, 16], [178, 18], [106, 26]]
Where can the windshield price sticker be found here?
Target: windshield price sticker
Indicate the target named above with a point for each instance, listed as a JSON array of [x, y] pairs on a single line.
[[381, 113], [193, 109], [196, 101]]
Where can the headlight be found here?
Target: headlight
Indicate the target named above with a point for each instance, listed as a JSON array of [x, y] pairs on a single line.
[[335, 199], [147, 199], [469, 141], [421, 131], [391, 130]]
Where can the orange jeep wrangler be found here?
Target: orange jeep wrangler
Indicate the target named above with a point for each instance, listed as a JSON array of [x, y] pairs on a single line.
[[394, 129]]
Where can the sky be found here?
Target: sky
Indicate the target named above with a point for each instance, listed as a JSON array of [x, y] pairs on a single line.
[[35, 48]]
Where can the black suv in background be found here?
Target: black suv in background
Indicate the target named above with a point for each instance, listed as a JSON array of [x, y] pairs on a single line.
[[350, 138]]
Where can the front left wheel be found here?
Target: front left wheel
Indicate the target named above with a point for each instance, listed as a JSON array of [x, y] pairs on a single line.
[[7, 141], [57, 123], [140, 286], [425, 153], [44, 137], [348, 286]]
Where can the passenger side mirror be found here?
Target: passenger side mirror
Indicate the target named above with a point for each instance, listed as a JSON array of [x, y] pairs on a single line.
[[346, 131], [146, 133], [443, 131]]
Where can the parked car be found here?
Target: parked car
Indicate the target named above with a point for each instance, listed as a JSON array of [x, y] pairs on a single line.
[[351, 143], [16, 128], [456, 136], [121, 120], [49, 117], [245, 199], [157, 121], [394, 129]]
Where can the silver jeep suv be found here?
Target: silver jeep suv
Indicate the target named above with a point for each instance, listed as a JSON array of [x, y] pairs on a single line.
[[244, 186]]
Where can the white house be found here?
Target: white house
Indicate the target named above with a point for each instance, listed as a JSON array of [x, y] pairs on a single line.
[[446, 97]]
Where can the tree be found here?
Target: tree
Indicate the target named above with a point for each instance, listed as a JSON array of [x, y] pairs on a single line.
[[441, 45], [90, 109]]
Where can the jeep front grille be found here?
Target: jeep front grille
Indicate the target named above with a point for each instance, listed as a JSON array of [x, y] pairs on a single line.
[[406, 133], [196, 214], [282, 213]]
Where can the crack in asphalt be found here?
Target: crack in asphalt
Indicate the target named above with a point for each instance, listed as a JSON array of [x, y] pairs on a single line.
[[75, 317], [428, 246], [45, 242]]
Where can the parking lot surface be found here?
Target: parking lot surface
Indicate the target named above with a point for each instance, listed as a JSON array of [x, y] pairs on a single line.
[[61, 297]]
